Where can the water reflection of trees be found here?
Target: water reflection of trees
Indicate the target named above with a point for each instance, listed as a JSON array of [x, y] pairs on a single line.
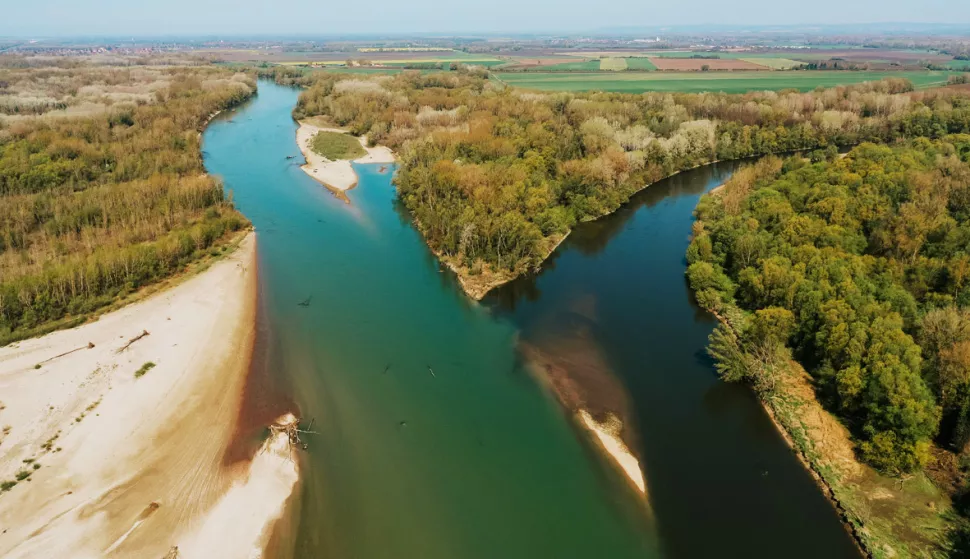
[[592, 237]]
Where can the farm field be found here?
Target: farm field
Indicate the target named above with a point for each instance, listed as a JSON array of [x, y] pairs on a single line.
[[728, 82], [613, 64], [623, 53], [469, 61], [774, 63], [390, 58], [698, 64], [365, 71], [581, 65], [640, 63]]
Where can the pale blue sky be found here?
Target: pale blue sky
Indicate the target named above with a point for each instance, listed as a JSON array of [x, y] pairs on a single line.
[[329, 17]]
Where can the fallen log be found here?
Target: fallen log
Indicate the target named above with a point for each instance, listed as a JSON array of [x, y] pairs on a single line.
[[133, 340], [89, 346]]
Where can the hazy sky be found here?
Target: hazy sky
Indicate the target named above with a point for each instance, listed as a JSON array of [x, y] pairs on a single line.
[[328, 17]]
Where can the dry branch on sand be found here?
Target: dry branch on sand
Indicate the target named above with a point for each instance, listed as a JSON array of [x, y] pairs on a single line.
[[88, 346], [133, 340]]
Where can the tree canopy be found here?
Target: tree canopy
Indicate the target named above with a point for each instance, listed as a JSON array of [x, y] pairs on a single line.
[[860, 265], [97, 205], [495, 176]]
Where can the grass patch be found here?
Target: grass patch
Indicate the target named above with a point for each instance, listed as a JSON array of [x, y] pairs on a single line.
[[337, 145], [144, 369], [49, 444], [7, 485], [696, 82]]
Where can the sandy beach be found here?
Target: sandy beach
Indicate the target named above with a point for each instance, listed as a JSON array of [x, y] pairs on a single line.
[[123, 465], [338, 176]]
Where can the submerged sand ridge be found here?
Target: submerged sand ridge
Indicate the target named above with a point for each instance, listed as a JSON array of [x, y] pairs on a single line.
[[133, 466], [339, 175], [573, 370]]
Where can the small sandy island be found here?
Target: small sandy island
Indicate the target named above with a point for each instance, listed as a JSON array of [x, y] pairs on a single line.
[[580, 379], [123, 426], [338, 176]]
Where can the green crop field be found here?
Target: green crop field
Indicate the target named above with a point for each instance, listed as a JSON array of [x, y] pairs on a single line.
[[613, 64], [959, 64], [640, 63], [728, 82]]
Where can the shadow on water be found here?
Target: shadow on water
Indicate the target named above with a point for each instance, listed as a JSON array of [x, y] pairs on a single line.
[[722, 481]]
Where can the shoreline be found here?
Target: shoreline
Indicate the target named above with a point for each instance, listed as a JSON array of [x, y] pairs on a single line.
[[478, 292], [478, 286], [119, 429], [823, 446], [337, 176]]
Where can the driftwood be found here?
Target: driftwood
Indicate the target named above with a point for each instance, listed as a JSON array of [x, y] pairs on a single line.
[[293, 431], [305, 302], [89, 346], [430, 370], [133, 340]]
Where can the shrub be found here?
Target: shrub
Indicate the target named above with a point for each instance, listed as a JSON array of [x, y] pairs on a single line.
[[144, 369]]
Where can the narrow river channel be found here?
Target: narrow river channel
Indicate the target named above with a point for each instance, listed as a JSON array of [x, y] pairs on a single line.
[[476, 460]]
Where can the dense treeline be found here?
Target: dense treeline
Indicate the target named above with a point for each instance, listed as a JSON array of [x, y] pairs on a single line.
[[861, 266], [493, 175], [98, 205]]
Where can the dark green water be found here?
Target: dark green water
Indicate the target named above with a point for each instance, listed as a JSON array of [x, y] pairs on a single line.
[[476, 460]]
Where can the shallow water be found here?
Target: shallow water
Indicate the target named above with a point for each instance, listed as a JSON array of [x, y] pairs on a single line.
[[433, 441]]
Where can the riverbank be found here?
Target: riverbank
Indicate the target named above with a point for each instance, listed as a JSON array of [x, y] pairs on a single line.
[[337, 176], [886, 517], [115, 432], [477, 282]]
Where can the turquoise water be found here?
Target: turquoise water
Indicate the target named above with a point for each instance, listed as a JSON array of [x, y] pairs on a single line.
[[433, 441], [474, 461]]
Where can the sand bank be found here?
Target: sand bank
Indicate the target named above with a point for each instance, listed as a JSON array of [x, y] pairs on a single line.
[[134, 466], [608, 439], [338, 176], [576, 373]]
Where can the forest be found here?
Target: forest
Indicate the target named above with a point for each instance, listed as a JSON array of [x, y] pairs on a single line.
[[859, 267], [102, 188], [495, 176]]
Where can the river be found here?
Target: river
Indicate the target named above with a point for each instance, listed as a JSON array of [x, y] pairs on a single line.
[[432, 438]]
